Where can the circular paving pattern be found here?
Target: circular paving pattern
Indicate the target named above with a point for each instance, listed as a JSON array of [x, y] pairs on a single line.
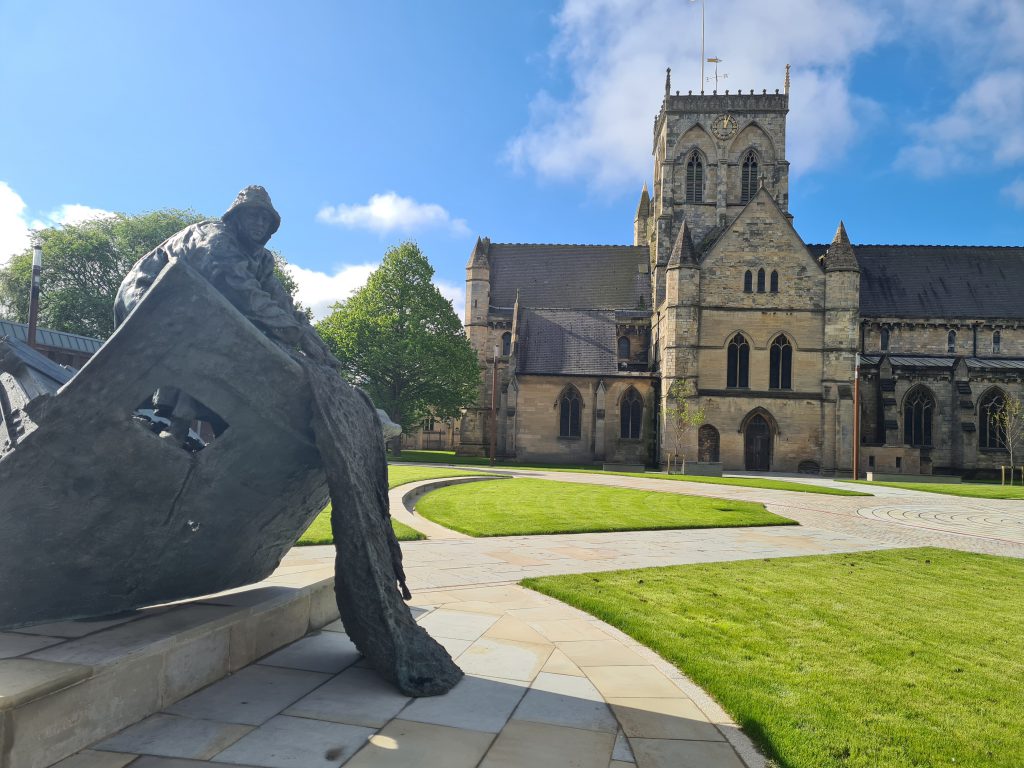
[[968, 519]]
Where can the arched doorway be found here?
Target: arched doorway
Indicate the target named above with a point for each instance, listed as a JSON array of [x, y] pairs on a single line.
[[757, 445]]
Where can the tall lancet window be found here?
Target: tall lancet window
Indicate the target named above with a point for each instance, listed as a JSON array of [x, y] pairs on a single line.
[[748, 179], [737, 372], [694, 178]]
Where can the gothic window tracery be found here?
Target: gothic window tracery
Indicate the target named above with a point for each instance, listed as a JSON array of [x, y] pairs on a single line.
[[780, 374], [738, 363], [569, 407], [695, 178], [996, 342], [748, 282], [883, 339], [991, 433], [918, 409], [760, 280], [748, 177], [774, 281], [951, 342], [631, 415]]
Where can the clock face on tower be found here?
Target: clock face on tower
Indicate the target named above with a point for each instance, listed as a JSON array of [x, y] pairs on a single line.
[[723, 126]]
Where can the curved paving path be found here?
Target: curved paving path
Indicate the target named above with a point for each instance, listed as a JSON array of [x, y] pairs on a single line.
[[546, 685]]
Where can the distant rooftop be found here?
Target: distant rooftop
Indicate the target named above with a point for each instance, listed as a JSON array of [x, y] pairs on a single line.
[[69, 342]]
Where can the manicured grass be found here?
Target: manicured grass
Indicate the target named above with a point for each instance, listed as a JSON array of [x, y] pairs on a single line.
[[976, 490], [902, 658], [526, 506], [449, 457], [319, 532]]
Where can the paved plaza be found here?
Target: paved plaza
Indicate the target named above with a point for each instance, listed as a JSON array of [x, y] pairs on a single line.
[[546, 685]]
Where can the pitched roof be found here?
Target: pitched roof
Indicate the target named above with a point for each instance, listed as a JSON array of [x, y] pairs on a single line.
[[570, 276], [939, 280], [568, 341], [70, 342]]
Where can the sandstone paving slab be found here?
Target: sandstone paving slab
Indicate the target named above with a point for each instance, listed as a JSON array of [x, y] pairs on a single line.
[[620, 764], [537, 744], [607, 652], [675, 753], [622, 752], [632, 682], [295, 742], [475, 703], [562, 630], [356, 697], [82, 627], [504, 658], [251, 696], [14, 644], [89, 758], [653, 718], [510, 628], [328, 652], [454, 646], [150, 761], [566, 700], [560, 664], [173, 736], [456, 624], [407, 744]]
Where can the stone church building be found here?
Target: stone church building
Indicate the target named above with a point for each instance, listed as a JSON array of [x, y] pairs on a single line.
[[720, 290]]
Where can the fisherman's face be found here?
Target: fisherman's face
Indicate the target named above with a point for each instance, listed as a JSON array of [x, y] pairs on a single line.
[[254, 224]]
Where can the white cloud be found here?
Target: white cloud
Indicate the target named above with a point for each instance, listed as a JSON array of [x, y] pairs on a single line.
[[14, 229], [983, 41], [617, 50], [390, 212], [1014, 191], [320, 291], [74, 214]]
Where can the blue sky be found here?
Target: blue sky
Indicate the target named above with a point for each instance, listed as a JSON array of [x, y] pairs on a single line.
[[521, 121]]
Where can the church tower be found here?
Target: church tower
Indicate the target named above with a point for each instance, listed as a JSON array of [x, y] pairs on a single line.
[[712, 152]]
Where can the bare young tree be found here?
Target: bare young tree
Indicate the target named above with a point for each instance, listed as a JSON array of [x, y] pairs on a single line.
[[1008, 422], [681, 416]]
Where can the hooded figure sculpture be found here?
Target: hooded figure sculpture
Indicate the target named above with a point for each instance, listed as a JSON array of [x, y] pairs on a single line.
[[345, 428]]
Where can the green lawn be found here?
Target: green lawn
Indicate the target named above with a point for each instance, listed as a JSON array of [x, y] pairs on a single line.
[[525, 506], [319, 532], [449, 457], [977, 490], [895, 659]]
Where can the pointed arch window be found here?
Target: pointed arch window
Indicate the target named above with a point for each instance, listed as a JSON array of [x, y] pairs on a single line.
[[991, 434], [883, 339], [951, 342], [997, 339], [623, 347], [748, 282], [569, 407], [774, 285], [918, 409], [760, 280], [748, 178], [631, 415], [780, 374], [737, 373], [708, 442], [694, 178], [506, 344]]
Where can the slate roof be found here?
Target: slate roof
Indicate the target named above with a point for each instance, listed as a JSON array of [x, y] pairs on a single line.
[[70, 342], [947, 362], [967, 281], [13, 351], [567, 342], [569, 276]]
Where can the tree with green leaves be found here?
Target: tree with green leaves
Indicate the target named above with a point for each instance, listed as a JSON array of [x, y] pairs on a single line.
[[681, 416], [1008, 421], [83, 266], [400, 340]]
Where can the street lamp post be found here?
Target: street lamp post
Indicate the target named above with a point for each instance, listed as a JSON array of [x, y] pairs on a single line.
[[856, 415], [33, 303]]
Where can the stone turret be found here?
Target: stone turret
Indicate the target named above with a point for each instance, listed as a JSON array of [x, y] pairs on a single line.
[[840, 257], [473, 437], [478, 286], [682, 311], [640, 221]]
